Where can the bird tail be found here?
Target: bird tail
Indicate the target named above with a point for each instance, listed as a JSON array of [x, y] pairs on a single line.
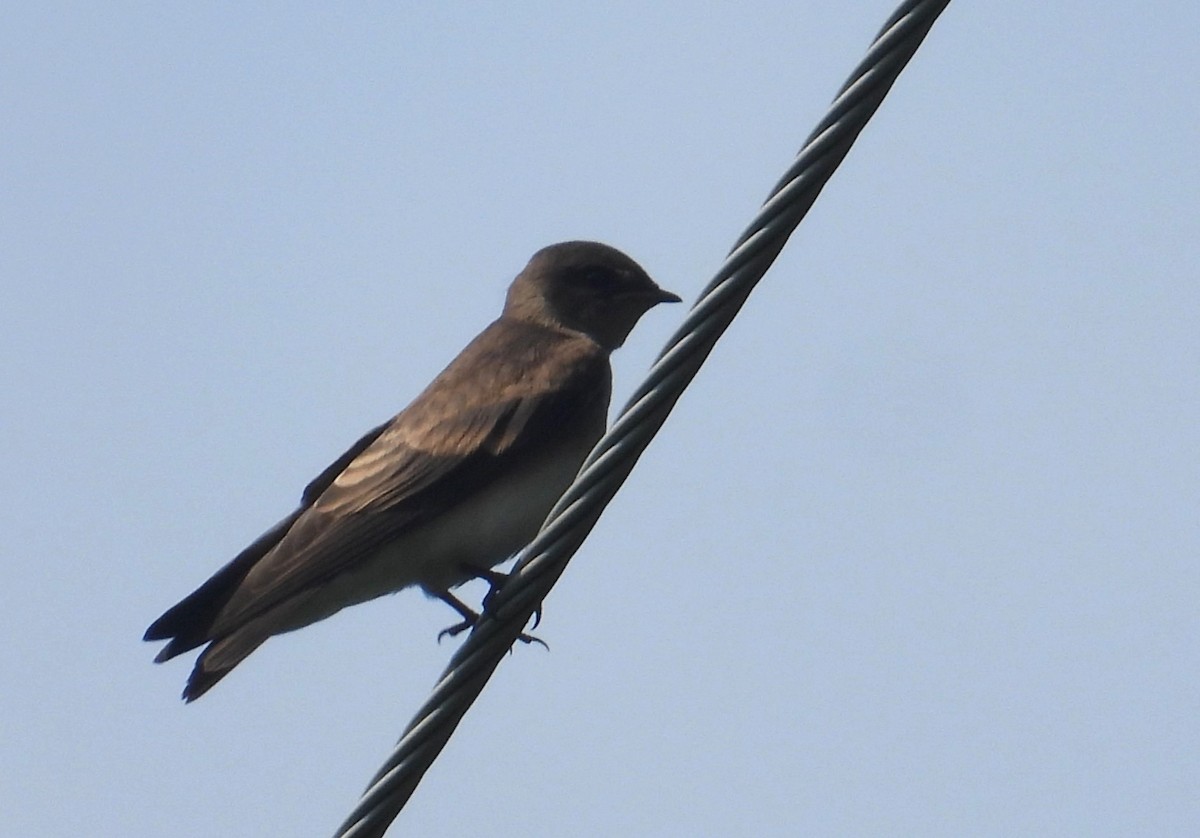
[[221, 656], [193, 621], [189, 623]]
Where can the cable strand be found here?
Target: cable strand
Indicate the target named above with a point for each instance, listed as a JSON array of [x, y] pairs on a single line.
[[607, 466]]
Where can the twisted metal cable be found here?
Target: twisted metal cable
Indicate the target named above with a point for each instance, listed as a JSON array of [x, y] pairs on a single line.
[[606, 468]]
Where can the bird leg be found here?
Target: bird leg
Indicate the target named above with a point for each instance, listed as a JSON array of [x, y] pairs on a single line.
[[495, 580], [469, 617]]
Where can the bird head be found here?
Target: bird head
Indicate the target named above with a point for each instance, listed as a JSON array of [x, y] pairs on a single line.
[[587, 287]]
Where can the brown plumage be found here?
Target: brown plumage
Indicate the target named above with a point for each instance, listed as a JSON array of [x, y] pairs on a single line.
[[457, 482]]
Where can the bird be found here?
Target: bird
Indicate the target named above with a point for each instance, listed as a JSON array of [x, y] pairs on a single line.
[[452, 486]]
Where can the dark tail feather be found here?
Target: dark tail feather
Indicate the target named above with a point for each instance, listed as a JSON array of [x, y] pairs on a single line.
[[219, 659], [187, 624]]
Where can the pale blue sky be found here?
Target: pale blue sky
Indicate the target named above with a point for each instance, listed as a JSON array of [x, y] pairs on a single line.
[[917, 553]]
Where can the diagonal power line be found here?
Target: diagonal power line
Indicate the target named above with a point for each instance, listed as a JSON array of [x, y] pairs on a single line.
[[616, 454]]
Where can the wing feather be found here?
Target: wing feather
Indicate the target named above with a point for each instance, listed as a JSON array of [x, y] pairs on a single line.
[[519, 391]]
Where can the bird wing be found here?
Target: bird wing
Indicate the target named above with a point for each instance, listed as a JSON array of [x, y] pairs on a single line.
[[186, 624], [461, 434]]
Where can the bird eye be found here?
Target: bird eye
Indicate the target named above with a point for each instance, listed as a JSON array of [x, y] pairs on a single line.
[[599, 279]]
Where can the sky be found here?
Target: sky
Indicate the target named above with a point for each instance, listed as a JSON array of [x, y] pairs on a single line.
[[915, 554]]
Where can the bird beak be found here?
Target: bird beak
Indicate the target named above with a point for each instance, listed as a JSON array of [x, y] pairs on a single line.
[[661, 295]]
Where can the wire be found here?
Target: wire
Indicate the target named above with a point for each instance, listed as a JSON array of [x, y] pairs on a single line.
[[606, 468]]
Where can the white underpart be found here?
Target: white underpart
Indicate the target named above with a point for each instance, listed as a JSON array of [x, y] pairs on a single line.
[[482, 531]]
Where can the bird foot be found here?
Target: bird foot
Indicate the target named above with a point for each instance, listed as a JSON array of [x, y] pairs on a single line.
[[456, 629], [470, 618], [496, 580]]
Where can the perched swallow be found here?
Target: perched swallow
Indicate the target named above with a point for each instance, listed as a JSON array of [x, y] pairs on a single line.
[[456, 483]]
